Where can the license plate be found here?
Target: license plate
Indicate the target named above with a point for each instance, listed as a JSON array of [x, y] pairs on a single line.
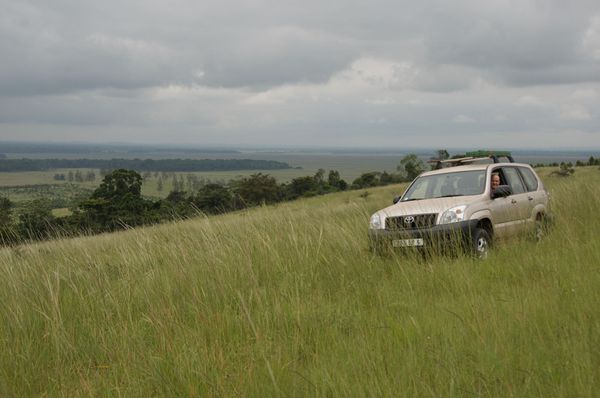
[[407, 242]]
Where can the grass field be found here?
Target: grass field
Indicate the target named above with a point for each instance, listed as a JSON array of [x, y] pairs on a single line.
[[288, 301]]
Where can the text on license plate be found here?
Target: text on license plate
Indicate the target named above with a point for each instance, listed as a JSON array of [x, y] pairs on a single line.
[[407, 242]]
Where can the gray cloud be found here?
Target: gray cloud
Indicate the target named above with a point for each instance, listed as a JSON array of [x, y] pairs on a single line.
[[214, 71]]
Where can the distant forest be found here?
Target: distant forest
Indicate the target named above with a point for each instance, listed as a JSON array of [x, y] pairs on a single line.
[[74, 148], [142, 164]]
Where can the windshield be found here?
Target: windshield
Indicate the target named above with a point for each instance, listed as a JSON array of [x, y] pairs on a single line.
[[446, 185]]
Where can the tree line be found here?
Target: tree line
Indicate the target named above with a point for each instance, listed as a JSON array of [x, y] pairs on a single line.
[[140, 165], [118, 203]]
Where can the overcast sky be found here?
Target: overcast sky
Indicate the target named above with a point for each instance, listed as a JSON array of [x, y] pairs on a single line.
[[346, 73]]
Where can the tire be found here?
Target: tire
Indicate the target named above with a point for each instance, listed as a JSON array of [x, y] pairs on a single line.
[[480, 243]]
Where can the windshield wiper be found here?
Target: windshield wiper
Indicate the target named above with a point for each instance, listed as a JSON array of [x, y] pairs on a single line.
[[411, 199], [451, 196]]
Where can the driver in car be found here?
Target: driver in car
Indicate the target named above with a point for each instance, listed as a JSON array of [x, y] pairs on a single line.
[[495, 181]]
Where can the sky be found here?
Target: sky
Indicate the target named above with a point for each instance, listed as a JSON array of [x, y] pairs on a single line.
[[276, 73]]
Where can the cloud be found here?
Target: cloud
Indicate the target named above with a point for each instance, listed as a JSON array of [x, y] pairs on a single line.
[[574, 112], [591, 38], [381, 101], [463, 119], [584, 94], [529, 100], [275, 71]]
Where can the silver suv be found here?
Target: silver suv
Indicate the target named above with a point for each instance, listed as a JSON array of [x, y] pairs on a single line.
[[458, 203]]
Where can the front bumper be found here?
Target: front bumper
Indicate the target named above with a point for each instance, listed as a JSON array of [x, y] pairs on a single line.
[[440, 236]]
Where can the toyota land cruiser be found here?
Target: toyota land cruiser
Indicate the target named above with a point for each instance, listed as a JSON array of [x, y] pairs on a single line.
[[457, 204]]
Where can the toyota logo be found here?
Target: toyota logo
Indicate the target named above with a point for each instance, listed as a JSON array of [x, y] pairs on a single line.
[[409, 220]]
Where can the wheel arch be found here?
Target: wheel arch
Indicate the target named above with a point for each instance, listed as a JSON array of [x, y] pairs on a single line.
[[486, 223]]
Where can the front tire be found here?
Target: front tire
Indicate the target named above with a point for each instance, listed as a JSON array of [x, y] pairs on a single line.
[[481, 243]]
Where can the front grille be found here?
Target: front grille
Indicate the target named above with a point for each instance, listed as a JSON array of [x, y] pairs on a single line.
[[410, 222]]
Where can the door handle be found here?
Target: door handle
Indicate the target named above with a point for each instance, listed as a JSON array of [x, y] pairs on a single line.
[[514, 202], [530, 198]]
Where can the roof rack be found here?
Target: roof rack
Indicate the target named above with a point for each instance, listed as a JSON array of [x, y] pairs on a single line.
[[473, 157], [492, 154]]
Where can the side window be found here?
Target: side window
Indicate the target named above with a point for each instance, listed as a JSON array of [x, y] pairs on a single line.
[[530, 181], [513, 179]]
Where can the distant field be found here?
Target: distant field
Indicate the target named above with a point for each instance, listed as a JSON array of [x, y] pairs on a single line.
[[287, 300], [350, 167], [36, 177]]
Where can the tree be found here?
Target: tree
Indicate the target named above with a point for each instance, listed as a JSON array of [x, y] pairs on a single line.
[[411, 166], [177, 203], [5, 211], [214, 199], [8, 233], [117, 202], [386, 178], [302, 186], [257, 189], [335, 181], [118, 184], [36, 220], [442, 154], [319, 175], [366, 180]]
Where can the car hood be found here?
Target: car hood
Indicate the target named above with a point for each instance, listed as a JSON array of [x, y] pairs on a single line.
[[426, 206]]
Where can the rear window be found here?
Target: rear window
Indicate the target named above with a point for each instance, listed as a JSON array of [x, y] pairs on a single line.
[[530, 181], [514, 180]]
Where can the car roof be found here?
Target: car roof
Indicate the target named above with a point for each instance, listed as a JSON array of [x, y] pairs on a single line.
[[470, 167]]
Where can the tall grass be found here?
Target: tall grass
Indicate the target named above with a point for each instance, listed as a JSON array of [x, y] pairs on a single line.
[[288, 301]]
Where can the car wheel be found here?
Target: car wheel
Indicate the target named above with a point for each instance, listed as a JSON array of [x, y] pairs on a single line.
[[481, 243]]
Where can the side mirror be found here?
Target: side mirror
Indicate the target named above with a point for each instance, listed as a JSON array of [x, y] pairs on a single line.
[[397, 199], [502, 191]]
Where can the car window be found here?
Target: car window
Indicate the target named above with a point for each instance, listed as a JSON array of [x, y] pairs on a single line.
[[513, 180], [530, 181], [446, 185]]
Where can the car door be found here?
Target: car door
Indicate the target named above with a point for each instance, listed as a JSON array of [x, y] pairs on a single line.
[[534, 196], [519, 200], [501, 210]]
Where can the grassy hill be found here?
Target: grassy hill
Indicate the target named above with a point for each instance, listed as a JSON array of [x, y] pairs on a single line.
[[287, 300]]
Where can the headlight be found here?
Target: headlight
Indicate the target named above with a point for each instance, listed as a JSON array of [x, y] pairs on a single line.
[[454, 214], [375, 222]]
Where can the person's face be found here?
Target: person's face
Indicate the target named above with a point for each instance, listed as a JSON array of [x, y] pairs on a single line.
[[495, 181]]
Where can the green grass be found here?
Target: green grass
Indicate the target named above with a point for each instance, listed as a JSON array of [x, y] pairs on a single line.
[[288, 301]]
